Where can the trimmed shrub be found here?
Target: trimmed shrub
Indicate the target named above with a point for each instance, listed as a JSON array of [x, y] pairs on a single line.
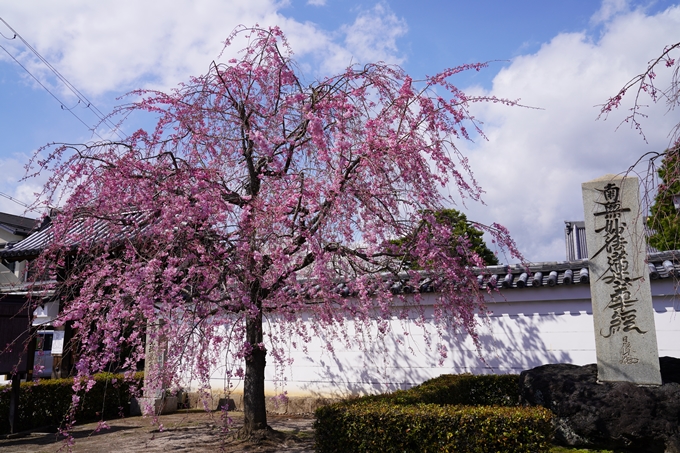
[[452, 413], [47, 402], [464, 389], [378, 426]]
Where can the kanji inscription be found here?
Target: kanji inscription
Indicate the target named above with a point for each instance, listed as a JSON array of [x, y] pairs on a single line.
[[617, 275]]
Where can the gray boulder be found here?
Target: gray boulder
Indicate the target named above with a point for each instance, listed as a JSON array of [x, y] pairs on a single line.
[[610, 415]]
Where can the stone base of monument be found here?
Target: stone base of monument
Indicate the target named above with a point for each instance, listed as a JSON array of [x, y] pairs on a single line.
[[226, 404], [608, 415], [160, 406]]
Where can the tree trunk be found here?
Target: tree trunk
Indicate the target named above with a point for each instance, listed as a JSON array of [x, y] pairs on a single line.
[[254, 411]]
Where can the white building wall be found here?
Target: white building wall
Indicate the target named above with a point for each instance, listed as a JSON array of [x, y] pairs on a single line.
[[526, 328]]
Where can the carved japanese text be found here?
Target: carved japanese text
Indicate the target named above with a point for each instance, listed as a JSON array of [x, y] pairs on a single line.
[[617, 274]]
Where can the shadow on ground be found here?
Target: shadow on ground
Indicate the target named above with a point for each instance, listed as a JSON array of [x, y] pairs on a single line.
[[194, 431]]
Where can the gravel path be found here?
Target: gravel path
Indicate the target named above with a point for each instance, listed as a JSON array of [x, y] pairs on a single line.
[[193, 431]]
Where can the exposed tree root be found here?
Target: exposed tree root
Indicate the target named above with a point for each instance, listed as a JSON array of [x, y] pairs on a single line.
[[261, 435]]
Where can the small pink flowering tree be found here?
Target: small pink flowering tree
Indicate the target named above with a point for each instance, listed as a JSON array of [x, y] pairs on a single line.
[[645, 87], [258, 195], [663, 172]]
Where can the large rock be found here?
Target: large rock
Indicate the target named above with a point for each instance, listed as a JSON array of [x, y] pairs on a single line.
[[610, 415]]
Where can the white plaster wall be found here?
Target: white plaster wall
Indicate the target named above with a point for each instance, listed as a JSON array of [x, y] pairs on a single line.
[[666, 316], [526, 328]]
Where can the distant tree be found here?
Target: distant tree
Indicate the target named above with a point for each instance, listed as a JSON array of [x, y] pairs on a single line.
[[664, 220], [253, 196], [466, 241]]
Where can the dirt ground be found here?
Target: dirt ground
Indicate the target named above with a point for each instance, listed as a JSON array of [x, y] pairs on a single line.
[[193, 431]]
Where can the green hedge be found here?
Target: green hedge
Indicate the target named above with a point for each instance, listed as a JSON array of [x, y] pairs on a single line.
[[452, 413], [464, 389], [379, 426], [47, 402]]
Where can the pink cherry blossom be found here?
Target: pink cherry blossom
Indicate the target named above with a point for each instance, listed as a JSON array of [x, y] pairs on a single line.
[[260, 197]]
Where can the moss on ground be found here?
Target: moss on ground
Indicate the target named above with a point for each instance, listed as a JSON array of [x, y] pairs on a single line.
[[557, 449]]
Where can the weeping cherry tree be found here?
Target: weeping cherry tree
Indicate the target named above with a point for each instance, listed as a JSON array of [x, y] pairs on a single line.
[[256, 196]]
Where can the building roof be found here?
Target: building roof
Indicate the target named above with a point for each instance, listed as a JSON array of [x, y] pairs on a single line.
[[661, 265], [82, 232], [17, 225]]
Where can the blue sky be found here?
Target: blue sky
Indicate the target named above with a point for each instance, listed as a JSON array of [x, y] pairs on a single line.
[[564, 57]]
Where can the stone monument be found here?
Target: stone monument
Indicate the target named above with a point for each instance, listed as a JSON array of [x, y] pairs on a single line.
[[625, 336], [157, 399]]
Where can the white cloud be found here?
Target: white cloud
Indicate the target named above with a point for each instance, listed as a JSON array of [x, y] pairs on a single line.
[[316, 2], [535, 160], [100, 48], [608, 10], [373, 35], [106, 49]]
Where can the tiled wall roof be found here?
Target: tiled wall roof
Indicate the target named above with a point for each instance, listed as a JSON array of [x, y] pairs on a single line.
[[661, 265], [559, 273]]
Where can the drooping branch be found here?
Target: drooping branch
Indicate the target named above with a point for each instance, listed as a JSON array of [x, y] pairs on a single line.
[[643, 84]]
